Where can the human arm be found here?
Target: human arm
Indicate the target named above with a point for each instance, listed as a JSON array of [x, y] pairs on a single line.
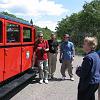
[[47, 47], [57, 47], [85, 69], [33, 58], [73, 51], [61, 53]]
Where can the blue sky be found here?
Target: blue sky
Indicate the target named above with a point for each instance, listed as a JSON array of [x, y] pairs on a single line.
[[43, 12]]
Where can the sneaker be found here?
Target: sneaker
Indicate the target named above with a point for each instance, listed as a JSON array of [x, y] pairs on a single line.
[[72, 79], [41, 81], [49, 76], [64, 77], [46, 81]]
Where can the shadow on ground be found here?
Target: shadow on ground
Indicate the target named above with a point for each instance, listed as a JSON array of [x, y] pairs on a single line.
[[50, 80], [18, 89], [31, 81]]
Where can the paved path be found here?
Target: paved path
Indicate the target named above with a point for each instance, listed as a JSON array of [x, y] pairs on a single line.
[[55, 90]]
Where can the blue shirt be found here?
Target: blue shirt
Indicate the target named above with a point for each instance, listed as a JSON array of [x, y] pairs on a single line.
[[67, 50]]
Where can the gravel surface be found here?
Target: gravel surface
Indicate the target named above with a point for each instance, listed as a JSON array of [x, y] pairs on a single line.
[[54, 90]]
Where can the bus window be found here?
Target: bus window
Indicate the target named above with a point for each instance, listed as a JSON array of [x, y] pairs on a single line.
[[27, 35], [13, 33], [1, 32]]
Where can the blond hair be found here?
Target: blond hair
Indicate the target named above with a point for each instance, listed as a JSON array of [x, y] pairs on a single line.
[[92, 42]]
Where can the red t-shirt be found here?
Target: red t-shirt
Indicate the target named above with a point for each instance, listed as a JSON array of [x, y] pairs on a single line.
[[42, 55]]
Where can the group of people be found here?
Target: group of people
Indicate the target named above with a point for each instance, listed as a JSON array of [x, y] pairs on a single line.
[[89, 72], [46, 52]]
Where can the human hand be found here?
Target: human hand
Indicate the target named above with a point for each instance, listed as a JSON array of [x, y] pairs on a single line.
[[72, 58], [46, 49], [39, 48], [57, 51], [78, 69], [60, 60]]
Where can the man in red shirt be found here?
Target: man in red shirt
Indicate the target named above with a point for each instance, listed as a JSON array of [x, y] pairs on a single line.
[[41, 48]]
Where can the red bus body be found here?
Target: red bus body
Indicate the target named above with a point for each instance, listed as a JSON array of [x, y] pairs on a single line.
[[16, 46]]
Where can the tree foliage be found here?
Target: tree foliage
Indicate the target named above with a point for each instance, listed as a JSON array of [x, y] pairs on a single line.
[[81, 24], [47, 32]]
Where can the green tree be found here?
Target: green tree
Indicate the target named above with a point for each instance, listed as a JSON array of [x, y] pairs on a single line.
[[81, 24], [47, 32]]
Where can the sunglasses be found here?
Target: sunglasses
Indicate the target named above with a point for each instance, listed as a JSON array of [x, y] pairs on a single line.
[[66, 37]]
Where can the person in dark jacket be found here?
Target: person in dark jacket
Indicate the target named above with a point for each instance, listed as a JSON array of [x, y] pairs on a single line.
[[52, 55], [98, 53], [99, 83], [89, 72]]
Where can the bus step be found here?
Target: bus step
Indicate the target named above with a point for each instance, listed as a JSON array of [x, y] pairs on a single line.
[[5, 89]]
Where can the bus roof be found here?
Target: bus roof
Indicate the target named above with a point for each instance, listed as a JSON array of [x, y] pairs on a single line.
[[14, 19]]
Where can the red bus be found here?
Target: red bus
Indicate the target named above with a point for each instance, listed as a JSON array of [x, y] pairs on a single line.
[[16, 46]]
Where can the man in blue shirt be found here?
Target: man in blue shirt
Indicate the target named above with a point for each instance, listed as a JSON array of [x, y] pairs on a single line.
[[67, 53]]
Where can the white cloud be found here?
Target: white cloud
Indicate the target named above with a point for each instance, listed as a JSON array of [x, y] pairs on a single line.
[[50, 24], [35, 9], [51, 8]]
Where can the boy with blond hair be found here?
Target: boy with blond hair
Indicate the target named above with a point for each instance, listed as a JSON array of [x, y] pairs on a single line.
[[89, 72]]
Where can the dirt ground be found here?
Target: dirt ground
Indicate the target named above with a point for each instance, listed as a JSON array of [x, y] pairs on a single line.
[[54, 90]]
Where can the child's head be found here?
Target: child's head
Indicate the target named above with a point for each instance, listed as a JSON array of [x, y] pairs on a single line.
[[90, 43]]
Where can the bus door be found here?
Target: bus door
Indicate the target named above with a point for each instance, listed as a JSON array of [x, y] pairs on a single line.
[[27, 48], [12, 50], [1, 49]]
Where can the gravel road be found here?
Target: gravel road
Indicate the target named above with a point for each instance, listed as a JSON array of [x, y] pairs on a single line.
[[55, 90]]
